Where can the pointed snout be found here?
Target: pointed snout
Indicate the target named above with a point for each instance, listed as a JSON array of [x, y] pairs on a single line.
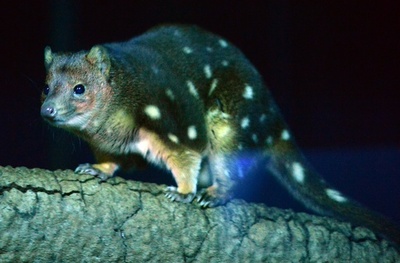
[[48, 112]]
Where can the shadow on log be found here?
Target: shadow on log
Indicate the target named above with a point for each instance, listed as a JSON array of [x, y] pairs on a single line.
[[62, 217]]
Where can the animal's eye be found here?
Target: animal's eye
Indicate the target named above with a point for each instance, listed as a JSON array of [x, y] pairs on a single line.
[[79, 89], [46, 90]]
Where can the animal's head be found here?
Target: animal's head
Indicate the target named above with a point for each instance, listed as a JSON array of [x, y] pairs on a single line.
[[76, 86]]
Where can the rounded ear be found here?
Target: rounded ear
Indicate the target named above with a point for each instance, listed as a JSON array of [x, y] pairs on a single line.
[[48, 57], [98, 56]]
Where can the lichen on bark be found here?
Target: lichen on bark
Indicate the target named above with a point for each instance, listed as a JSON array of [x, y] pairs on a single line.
[[62, 217]]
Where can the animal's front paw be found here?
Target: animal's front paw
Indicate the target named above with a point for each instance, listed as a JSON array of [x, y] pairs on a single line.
[[172, 193], [87, 168]]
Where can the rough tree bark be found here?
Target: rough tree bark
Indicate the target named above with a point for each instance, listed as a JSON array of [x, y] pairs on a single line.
[[61, 217]]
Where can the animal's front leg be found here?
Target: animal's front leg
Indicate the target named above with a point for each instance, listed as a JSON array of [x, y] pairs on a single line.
[[185, 167], [103, 171]]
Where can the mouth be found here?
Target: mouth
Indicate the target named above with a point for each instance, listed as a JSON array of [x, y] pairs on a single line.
[[66, 119], [58, 122], [58, 119]]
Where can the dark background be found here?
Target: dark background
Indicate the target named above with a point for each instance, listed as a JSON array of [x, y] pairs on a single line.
[[332, 66]]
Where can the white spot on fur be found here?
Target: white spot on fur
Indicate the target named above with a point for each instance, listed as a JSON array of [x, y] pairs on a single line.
[[335, 195], [254, 137], [248, 92], [170, 94], [209, 49], [270, 140], [285, 135], [240, 146], [223, 43], [192, 88], [173, 138], [207, 71], [263, 117], [298, 172], [187, 50], [245, 123], [225, 63], [214, 84], [155, 69], [153, 112], [192, 132]]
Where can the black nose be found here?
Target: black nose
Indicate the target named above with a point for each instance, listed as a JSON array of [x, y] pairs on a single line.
[[48, 112]]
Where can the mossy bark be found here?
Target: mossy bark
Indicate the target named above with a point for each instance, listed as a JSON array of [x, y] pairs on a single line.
[[62, 217]]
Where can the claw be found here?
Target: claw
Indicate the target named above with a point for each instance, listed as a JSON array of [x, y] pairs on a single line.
[[205, 200], [205, 204], [173, 194], [87, 168], [201, 195]]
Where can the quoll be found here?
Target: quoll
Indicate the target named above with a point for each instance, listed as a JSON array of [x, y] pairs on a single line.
[[189, 101]]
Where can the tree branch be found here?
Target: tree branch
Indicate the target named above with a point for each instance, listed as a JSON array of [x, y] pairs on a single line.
[[62, 217]]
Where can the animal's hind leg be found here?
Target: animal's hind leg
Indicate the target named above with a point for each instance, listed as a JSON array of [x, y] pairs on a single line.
[[221, 189], [221, 156]]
